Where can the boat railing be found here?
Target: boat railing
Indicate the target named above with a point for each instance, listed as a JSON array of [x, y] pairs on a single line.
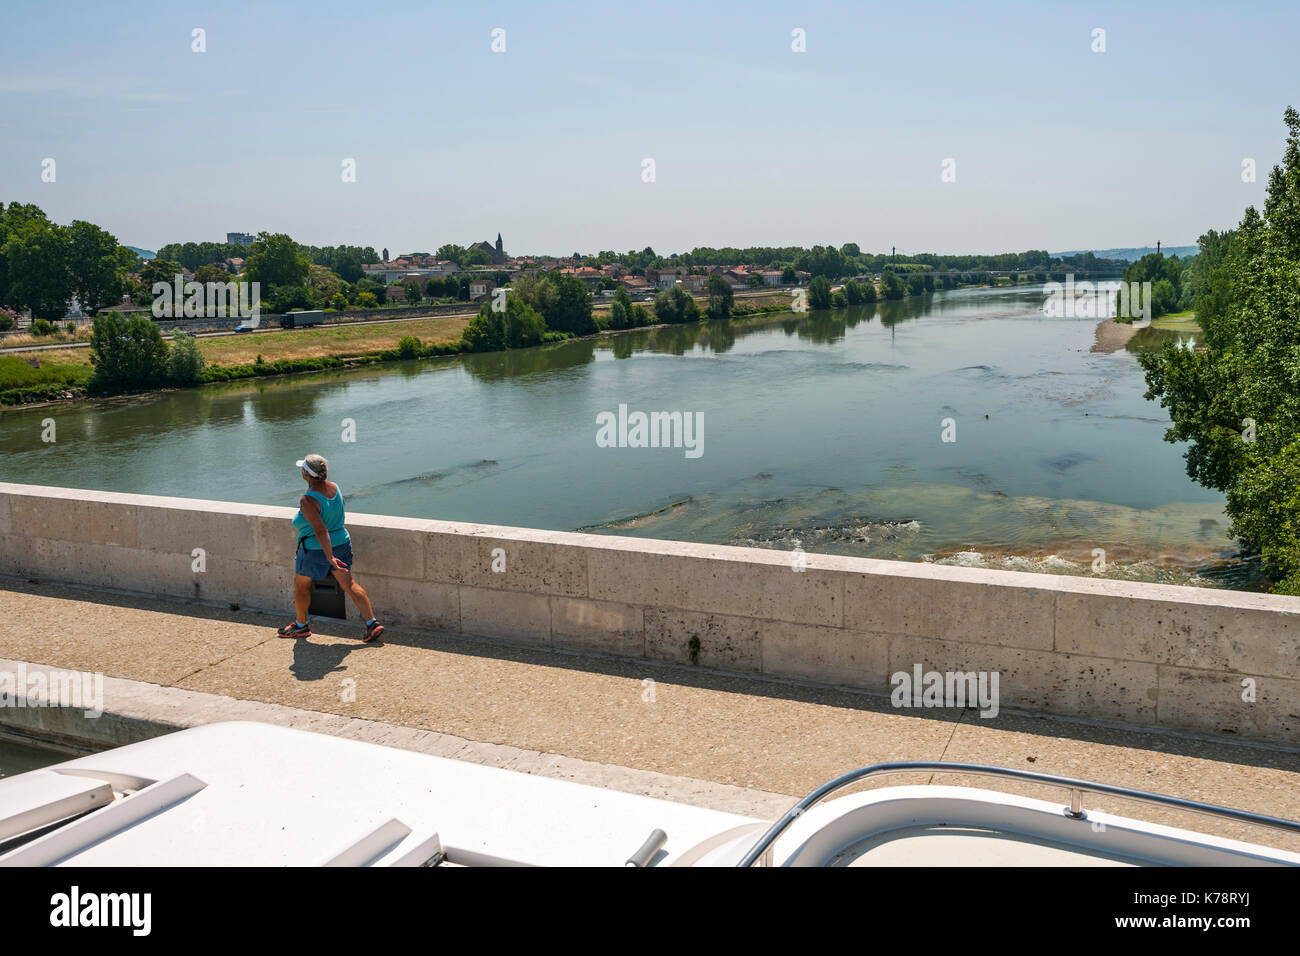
[[762, 851]]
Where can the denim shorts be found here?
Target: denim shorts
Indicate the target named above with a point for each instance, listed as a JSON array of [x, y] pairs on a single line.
[[311, 562]]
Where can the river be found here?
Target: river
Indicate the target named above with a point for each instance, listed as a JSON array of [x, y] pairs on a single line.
[[823, 431]]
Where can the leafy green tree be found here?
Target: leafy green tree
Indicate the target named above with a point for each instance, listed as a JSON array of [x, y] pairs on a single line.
[[11, 217], [98, 265], [675, 305], [451, 253], [184, 360], [414, 293], [211, 273], [819, 293], [284, 298], [519, 326], [275, 259], [36, 260], [620, 312], [721, 298], [1236, 401], [789, 276], [852, 293], [159, 270], [891, 285], [563, 301], [128, 354]]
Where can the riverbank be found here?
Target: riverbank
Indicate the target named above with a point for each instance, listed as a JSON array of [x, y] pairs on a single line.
[[59, 376]]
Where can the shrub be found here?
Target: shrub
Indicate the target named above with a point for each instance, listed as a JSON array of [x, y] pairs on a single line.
[[128, 354], [408, 347], [42, 327], [819, 293], [519, 326], [675, 305], [184, 361]]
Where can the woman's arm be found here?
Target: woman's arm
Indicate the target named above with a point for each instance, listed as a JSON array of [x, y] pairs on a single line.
[[311, 511]]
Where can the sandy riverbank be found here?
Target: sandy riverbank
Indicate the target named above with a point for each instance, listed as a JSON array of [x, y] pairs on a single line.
[[1112, 336]]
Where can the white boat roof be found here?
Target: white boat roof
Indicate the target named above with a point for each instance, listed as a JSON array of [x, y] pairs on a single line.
[[248, 794]]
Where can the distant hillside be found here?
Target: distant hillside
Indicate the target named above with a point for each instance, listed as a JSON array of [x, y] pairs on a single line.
[[1133, 255], [143, 253]]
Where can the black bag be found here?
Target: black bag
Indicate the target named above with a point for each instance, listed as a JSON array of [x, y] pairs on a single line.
[[327, 598]]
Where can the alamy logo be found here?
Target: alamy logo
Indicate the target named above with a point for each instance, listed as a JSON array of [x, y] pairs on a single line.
[[75, 908], [206, 300], [1084, 300], [948, 689], [56, 688], [652, 430]]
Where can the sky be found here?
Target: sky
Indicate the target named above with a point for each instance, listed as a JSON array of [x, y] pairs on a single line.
[[1053, 146]]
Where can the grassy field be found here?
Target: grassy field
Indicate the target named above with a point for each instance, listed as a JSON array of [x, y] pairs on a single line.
[[322, 342], [327, 341], [16, 374], [1177, 322]]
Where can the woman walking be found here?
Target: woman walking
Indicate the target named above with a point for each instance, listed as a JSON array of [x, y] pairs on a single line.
[[324, 548]]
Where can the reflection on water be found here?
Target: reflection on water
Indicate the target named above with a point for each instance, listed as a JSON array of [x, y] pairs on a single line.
[[822, 430]]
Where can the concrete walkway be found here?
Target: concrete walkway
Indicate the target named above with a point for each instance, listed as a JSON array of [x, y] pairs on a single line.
[[681, 732]]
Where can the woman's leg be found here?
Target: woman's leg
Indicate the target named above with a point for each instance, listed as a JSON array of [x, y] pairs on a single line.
[[358, 594], [301, 597]]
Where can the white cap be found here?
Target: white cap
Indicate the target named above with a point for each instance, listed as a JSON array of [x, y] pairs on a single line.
[[314, 465]]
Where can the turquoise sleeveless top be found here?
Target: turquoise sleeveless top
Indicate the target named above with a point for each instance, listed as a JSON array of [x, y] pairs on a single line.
[[331, 513]]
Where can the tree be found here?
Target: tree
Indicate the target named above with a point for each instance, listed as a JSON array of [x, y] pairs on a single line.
[[517, 327], [98, 265], [184, 360], [128, 354], [10, 219], [211, 273], [36, 262], [451, 253], [891, 285], [275, 259], [159, 270], [721, 297], [1236, 401], [413, 292], [675, 305], [620, 312], [819, 293], [563, 301], [284, 298], [789, 276], [852, 293]]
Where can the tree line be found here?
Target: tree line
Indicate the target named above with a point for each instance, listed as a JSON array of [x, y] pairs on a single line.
[[1236, 401], [44, 266]]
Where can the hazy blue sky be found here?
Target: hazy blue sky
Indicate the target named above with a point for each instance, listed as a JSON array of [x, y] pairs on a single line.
[[1055, 146]]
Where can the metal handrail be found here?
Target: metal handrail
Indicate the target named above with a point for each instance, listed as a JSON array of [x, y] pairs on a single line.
[[1076, 788]]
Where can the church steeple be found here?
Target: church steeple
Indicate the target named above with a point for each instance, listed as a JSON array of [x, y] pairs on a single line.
[[500, 255]]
